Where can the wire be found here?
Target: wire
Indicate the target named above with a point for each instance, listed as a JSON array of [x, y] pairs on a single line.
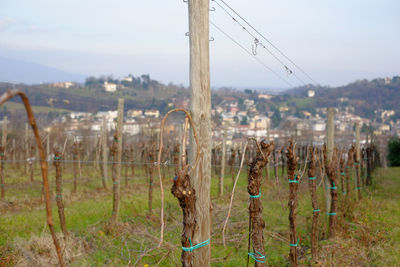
[[258, 43], [265, 38], [250, 53]]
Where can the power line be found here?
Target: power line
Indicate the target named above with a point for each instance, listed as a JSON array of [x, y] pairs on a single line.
[[276, 48], [250, 53], [258, 43]]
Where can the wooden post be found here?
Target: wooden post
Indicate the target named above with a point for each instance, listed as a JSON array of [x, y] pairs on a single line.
[[2, 185], [117, 174], [32, 163], [104, 137], [180, 153], [200, 108], [222, 176], [74, 165], [330, 138], [3, 150], [4, 134], [26, 144], [14, 154], [275, 157], [184, 139], [358, 161], [150, 169], [331, 174], [48, 146]]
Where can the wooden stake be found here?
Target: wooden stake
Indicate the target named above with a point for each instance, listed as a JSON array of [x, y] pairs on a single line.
[[330, 139], [116, 177], [223, 160], [104, 137], [357, 161], [200, 108]]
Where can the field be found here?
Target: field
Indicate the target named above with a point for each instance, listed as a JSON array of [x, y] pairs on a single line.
[[367, 238]]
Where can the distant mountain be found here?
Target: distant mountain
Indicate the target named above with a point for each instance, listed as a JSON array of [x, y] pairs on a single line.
[[17, 71]]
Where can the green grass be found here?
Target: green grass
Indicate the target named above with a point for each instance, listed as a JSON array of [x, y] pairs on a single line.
[[13, 106], [368, 238]]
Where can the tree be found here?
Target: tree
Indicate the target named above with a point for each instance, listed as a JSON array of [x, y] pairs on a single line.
[[244, 121], [394, 152], [276, 118]]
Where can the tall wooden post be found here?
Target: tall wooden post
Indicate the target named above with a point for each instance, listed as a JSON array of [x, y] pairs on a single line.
[[222, 176], [200, 108], [104, 137], [331, 171], [117, 175], [358, 161], [330, 139]]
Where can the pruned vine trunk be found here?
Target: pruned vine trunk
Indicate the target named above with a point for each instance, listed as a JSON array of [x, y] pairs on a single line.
[[257, 223], [183, 190], [293, 188], [59, 191], [312, 177]]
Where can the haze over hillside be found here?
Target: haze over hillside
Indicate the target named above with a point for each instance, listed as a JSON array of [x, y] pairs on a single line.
[[18, 71]]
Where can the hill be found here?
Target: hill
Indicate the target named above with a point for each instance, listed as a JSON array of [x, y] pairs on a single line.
[[364, 96], [17, 71]]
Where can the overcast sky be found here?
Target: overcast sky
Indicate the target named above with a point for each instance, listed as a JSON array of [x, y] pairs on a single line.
[[335, 41]]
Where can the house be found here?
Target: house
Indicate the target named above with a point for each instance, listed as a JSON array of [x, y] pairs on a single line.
[[63, 85], [128, 78], [133, 113], [152, 113], [265, 96], [110, 87]]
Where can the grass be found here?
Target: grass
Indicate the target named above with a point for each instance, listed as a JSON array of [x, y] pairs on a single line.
[[13, 106], [367, 238]]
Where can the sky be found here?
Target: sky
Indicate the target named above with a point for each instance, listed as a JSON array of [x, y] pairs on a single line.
[[334, 41]]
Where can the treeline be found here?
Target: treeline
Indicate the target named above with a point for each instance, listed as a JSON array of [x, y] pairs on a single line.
[[365, 96]]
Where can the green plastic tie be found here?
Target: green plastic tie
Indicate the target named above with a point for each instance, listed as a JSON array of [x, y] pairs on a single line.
[[295, 245], [317, 210], [257, 258], [331, 213], [343, 173], [191, 248], [58, 196], [256, 196], [312, 178], [358, 188], [56, 158], [356, 163], [115, 182], [294, 181]]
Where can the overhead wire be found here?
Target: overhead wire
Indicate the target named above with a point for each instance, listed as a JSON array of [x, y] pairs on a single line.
[[250, 53], [267, 40], [258, 43]]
